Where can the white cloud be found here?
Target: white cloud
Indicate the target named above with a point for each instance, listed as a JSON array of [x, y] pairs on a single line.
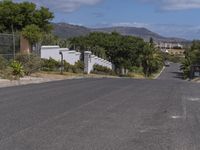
[[63, 5], [72, 5], [175, 4], [130, 24]]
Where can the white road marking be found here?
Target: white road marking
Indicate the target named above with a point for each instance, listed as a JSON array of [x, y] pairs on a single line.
[[194, 99], [176, 117], [148, 129]]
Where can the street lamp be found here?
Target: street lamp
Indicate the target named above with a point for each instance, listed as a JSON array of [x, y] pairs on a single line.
[[62, 65]]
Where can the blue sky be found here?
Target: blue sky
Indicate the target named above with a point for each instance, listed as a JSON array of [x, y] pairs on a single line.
[[173, 18]]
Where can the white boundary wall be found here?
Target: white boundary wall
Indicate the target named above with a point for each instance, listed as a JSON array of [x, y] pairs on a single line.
[[53, 51], [90, 60], [72, 57]]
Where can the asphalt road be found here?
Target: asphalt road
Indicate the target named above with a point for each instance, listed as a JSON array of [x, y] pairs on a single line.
[[102, 114]]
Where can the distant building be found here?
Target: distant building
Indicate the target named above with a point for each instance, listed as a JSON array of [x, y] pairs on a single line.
[[172, 48]]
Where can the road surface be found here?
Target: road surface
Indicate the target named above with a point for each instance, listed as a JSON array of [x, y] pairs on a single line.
[[102, 114]]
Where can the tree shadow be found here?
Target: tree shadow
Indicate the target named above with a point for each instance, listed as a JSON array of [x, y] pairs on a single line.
[[178, 75]]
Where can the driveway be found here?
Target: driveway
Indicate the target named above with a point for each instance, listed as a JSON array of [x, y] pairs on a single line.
[[102, 114]]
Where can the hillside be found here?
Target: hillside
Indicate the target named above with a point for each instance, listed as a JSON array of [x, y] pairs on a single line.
[[64, 30], [133, 31]]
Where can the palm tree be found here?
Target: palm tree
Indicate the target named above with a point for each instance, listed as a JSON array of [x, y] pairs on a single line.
[[185, 67], [151, 60]]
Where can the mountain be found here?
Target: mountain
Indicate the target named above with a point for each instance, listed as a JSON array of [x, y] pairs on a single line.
[[139, 32], [64, 30]]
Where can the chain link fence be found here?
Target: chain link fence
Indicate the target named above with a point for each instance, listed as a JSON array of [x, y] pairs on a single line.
[[9, 45]]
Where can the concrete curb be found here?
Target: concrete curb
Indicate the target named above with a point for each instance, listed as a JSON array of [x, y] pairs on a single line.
[[8, 83], [156, 77], [35, 80]]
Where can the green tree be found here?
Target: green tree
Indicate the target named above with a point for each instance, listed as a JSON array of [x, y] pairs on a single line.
[[50, 39], [33, 33], [151, 59], [192, 57], [19, 15]]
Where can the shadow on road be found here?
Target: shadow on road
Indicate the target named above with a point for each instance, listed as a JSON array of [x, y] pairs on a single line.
[[172, 73]]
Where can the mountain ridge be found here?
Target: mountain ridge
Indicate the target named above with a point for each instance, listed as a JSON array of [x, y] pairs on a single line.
[[65, 30]]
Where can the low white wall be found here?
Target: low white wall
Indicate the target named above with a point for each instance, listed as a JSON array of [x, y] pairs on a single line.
[[90, 60], [53, 51], [72, 57]]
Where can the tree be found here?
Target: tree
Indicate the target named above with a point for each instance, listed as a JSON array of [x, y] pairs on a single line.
[[123, 51], [19, 15], [50, 39], [151, 59], [192, 57], [32, 33]]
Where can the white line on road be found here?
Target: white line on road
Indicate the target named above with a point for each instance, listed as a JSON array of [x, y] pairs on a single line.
[[195, 99]]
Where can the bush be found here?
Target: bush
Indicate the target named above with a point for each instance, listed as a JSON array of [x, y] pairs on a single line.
[[50, 64], [67, 67], [17, 69], [8, 74], [136, 69], [53, 65], [3, 63], [98, 69], [78, 67], [30, 62]]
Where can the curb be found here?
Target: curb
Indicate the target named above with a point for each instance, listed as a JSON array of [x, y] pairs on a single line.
[[156, 77]]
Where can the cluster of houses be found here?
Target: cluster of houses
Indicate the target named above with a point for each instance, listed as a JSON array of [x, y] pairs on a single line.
[[172, 48]]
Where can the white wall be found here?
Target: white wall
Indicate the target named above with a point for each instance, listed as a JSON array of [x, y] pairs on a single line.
[[90, 60], [53, 51], [72, 57]]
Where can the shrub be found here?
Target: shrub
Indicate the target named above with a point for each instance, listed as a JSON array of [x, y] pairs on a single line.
[[53, 65], [7, 73], [67, 67], [50, 64], [136, 69], [30, 62], [98, 69], [78, 67], [3, 63], [17, 69]]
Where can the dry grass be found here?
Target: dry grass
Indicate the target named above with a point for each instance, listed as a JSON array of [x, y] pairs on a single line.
[[196, 80], [67, 75], [136, 75]]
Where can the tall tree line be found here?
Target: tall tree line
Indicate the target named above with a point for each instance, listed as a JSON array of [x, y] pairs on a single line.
[[124, 51]]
